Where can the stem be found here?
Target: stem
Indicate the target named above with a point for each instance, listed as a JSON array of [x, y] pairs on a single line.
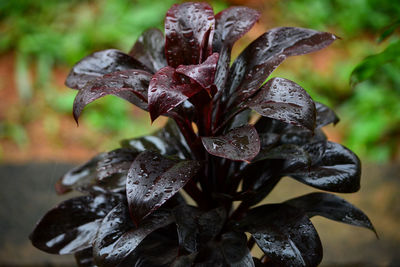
[[239, 212], [251, 242], [223, 124], [195, 193]]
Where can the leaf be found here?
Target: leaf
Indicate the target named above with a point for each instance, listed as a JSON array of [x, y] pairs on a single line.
[[285, 151], [166, 141], [325, 115], [84, 258], [338, 170], [117, 236], [99, 64], [332, 207], [130, 85], [286, 101], [153, 179], [167, 90], [72, 225], [211, 223], [230, 24], [263, 55], [188, 33], [105, 172], [234, 248], [149, 50], [284, 234], [202, 73], [186, 218], [241, 143]]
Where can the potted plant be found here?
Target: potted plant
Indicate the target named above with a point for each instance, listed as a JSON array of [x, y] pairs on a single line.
[[132, 212]]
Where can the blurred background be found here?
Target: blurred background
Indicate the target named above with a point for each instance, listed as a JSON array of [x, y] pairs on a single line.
[[358, 76]]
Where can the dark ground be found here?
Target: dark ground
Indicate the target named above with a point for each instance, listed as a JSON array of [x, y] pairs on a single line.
[[27, 192]]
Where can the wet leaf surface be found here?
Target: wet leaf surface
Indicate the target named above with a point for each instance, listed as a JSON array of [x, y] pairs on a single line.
[[153, 179], [117, 236], [338, 170], [284, 234], [188, 32], [261, 57], [202, 73], [286, 101], [84, 258], [186, 218], [325, 115], [72, 225], [332, 207], [99, 64], [104, 173], [130, 85], [241, 143], [234, 248], [167, 90], [230, 24], [149, 50]]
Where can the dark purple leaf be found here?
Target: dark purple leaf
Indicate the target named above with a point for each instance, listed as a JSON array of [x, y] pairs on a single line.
[[117, 236], [167, 90], [241, 143], [301, 136], [285, 151], [325, 115], [338, 170], [284, 234], [186, 219], [99, 64], [230, 24], [84, 258], [202, 73], [153, 179], [262, 56], [105, 172], [234, 248], [149, 50], [331, 207], [131, 85], [166, 141], [189, 33], [72, 225], [211, 223], [286, 101]]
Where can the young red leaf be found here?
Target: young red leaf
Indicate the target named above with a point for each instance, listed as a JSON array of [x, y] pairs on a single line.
[[202, 73], [241, 143], [149, 50], [286, 101], [153, 179], [262, 56], [188, 32], [130, 85], [98, 64], [167, 90], [72, 225], [230, 24]]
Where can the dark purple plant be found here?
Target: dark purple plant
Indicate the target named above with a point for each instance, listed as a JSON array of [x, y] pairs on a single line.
[[132, 212]]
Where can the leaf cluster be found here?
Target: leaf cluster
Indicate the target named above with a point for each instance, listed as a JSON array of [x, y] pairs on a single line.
[[132, 212]]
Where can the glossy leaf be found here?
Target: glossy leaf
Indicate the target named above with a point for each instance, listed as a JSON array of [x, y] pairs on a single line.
[[166, 141], [284, 234], [338, 170], [117, 236], [325, 115], [241, 143], [167, 90], [149, 50], [202, 73], [285, 151], [153, 179], [72, 225], [105, 172], [230, 24], [286, 101], [332, 207], [234, 248], [188, 32], [211, 223], [262, 56], [130, 85], [186, 218], [98, 64]]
